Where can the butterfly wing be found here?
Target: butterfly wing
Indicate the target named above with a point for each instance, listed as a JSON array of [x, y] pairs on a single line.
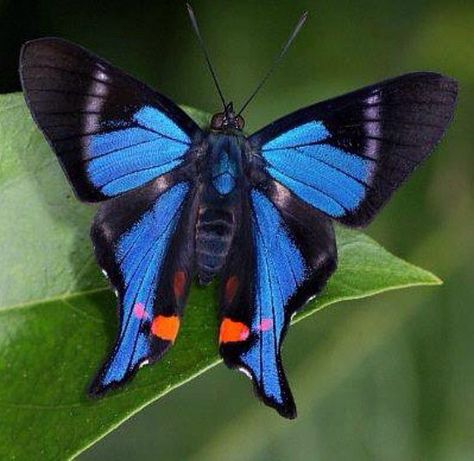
[[346, 156], [339, 159], [142, 241], [110, 132], [283, 255], [119, 141]]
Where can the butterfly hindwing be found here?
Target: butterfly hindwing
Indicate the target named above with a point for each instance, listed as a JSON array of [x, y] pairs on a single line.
[[346, 156], [283, 256], [144, 242], [110, 132]]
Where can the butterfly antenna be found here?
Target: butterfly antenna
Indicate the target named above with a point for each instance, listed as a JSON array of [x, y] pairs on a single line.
[[194, 23], [277, 59]]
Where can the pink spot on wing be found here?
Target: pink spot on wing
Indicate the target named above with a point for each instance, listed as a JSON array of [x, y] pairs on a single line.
[[139, 311], [244, 334], [265, 324]]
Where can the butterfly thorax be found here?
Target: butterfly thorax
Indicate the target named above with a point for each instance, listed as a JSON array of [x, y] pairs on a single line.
[[220, 188]]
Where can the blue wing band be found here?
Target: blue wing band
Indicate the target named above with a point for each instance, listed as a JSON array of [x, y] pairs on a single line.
[[126, 158], [272, 271], [137, 270], [280, 268], [330, 179]]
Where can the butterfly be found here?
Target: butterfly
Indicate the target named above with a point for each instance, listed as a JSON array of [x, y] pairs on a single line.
[[256, 212]]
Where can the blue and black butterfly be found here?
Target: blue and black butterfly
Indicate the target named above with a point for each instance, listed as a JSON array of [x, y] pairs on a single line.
[[255, 211]]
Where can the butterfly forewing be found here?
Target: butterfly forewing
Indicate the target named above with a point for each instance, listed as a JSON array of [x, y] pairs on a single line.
[[346, 156], [110, 132]]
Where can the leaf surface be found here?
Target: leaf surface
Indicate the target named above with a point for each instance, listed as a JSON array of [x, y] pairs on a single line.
[[58, 318]]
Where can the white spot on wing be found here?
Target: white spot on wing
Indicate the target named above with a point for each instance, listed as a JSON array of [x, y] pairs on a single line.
[[373, 127], [100, 75], [246, 373], [282, 196], [144, 363], [95, 103], [162, 183]]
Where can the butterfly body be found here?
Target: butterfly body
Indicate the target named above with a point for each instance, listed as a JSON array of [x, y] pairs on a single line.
[[256, 212], [221, 183]]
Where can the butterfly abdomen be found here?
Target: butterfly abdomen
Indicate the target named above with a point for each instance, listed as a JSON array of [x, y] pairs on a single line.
[[214, 233], [218, 215]]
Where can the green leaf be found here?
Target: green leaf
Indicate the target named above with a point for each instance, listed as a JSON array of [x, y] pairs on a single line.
[[58, 319]]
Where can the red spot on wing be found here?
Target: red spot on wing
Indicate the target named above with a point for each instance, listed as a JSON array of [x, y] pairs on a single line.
[[165, 327], [231, 288], [232, 331], [179, 283]]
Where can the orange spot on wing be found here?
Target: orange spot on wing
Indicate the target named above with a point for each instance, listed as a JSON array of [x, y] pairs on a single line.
[[232, 331], [179, 282], [231, 288], [165, 328]]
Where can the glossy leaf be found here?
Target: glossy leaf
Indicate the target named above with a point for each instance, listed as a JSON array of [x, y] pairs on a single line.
[[58, 319]]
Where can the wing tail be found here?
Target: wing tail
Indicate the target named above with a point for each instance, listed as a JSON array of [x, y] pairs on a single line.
[[285, 258]]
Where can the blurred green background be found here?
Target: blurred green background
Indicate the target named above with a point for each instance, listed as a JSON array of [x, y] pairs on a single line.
[[391, 378]]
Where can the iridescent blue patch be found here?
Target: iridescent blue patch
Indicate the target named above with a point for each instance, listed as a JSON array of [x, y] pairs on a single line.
[[307, 133], [280, 269], [140, 255], [326, 177], [224, 173], [126, 158]]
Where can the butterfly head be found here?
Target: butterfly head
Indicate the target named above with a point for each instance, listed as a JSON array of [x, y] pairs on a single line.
[[227, 120]]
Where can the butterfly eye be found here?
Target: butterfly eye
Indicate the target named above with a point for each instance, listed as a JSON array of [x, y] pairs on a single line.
[[217, 121], [239, 122]]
